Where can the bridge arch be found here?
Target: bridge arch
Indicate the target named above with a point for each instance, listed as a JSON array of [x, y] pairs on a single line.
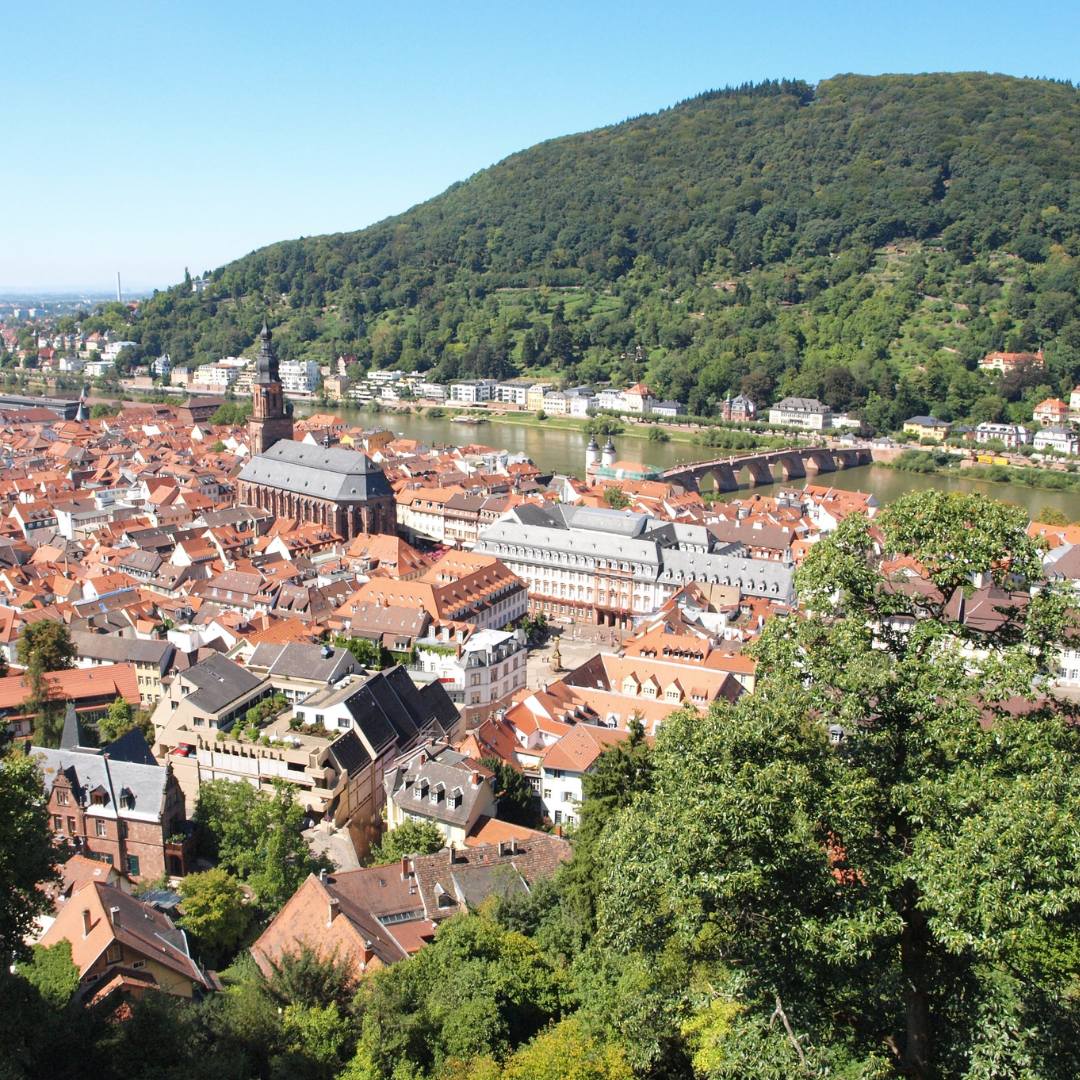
[[792, 466], [819, 461]]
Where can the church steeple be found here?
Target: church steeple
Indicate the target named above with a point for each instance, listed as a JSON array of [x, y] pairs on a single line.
[[271, 420], [266, 365]]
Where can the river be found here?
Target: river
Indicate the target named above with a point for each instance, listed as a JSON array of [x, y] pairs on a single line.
[[559, 450]]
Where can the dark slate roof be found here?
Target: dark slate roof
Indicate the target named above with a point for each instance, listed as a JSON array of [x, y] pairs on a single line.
[[72, 737], [300, 660], [219, 682], [119, 650], [342, 476], [131, 747], [387, 707], [350, 753]]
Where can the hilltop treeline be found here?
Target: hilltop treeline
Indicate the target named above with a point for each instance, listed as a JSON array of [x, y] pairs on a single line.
[[864, 241]]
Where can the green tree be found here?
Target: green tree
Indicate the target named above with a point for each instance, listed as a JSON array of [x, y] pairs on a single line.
[[214, 910], [478, 990], [658, 434], [924, 854], [1051, 515], [616, 498], [372, 655], [121, 719], [258, 835], [46, 645], [514, 792], [27, 858], [51, 970], [621, 773], [218, 447], [409, 838]]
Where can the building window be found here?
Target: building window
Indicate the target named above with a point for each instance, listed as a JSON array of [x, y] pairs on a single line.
[[133, 865], [567, 797], [558, 817], [318, 718], [114, 954], [71, 826], [62, 798], [556, 774], [99, 826], [474, 698], [58, 823], [547, 793]]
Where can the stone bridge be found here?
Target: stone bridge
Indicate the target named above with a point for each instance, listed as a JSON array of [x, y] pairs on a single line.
[[796, 464]]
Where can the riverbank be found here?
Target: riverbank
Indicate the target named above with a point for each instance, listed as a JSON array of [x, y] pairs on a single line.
[[926, 463]]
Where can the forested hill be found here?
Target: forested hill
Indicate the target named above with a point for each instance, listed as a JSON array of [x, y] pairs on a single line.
[[863, 240]]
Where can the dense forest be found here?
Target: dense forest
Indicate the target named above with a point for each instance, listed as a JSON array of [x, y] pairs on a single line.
[[865, 241]]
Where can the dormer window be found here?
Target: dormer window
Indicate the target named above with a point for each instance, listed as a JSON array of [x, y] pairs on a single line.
[[98, 797], [127, 800], [420, 789]]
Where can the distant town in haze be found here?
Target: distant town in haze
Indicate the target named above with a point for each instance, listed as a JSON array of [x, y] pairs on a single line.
[[728, 730]]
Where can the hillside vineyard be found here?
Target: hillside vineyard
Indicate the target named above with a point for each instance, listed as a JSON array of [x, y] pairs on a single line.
[[863, 242]]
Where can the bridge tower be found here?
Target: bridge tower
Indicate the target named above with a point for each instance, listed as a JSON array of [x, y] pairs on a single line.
[[592, 455]]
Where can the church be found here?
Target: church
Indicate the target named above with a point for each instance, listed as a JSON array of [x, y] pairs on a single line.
[[322, 485]]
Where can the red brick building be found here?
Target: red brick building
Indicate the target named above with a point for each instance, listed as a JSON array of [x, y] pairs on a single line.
[[116, 804]]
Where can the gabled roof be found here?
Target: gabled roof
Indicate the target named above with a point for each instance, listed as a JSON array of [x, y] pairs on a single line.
[[136, 926], [343, 476], [220, 682], [579, 748]]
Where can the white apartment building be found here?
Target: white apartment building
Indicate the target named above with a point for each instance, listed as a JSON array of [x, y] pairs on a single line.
[[113, 349], [299, 376], [70, 364], [473, 391], [479, 669], [431, 390], [1060, 439], [1012, 435], [801, 412], [220, 373], [96, 369], [514, 392], [556, 403]]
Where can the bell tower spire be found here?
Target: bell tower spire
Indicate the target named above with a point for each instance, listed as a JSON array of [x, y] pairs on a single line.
[[271, 418]]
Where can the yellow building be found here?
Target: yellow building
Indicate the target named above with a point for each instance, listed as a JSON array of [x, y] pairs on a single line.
[[534, 399], [927, 427]]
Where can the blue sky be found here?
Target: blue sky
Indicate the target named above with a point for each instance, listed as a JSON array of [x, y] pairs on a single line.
[[149, 137]]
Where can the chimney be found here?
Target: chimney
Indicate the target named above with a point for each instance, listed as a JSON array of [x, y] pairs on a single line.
[[404, 867], [335, 908], [114, 916], [453, 853], [86, 924], [475, 779], [322, 876]]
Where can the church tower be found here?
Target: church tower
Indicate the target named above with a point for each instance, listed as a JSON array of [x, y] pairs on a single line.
[[271, 419]]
